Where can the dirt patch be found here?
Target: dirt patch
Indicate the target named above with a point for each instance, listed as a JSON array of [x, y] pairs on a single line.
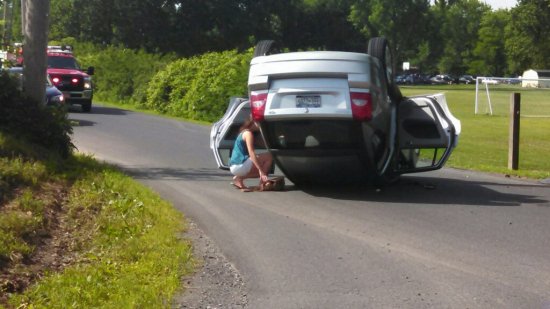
[[53, 249]]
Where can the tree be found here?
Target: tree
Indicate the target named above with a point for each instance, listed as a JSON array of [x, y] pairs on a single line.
[[489, 53], [403, 23], [35, 30], [528, 36], [460, 28]]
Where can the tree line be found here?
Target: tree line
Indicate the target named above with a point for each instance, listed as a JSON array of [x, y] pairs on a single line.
[[446, 36]]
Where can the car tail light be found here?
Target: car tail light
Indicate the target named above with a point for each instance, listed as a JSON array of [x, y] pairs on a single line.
[[361, 105], [257, 105]]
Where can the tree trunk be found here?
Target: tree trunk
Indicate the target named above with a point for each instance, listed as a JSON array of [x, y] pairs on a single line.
[[35, 32]]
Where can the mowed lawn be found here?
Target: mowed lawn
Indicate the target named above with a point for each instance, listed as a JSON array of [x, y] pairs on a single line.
[[483, 143]]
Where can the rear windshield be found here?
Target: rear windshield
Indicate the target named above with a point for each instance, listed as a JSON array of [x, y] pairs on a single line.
[[62, 63]]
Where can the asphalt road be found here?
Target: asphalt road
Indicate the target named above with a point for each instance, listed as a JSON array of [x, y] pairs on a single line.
[[444, 239]]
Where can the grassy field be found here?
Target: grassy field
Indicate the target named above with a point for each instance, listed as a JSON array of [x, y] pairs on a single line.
[[483, 143], [78, 234]]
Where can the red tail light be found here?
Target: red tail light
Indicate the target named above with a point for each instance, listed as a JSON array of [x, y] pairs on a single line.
[[361, 105], [257, 105]]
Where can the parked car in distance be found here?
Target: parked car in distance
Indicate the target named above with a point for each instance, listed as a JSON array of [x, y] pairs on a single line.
[[514, 80], [442, 79], [412, 79], [466, 79], [489, 81], [338, 117], [54, 97]]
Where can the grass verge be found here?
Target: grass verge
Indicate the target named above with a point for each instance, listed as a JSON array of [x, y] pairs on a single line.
[[76, 233]]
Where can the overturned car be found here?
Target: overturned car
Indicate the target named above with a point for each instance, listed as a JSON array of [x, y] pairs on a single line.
[[330, 116]]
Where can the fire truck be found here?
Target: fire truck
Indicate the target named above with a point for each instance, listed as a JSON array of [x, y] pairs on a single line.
[[67, 76]]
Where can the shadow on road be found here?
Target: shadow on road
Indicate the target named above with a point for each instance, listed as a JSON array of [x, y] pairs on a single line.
[[75, 112], [101, 110], [81, 123], [163, 173], [409, 190], [426, 190]]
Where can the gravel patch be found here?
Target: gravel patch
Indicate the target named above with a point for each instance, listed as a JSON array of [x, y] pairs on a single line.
[[217, 283]]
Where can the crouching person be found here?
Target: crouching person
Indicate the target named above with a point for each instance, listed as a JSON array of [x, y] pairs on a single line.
[[244, 162]]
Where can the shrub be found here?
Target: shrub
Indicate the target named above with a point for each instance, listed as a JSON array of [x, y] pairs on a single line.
[[199, 87], [25, 118], [121, 74]]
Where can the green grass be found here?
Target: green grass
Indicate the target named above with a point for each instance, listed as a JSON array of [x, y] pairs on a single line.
[[126, 240], [483, 143]]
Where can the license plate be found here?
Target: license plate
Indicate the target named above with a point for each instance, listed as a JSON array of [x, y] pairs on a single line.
[[308, 101]]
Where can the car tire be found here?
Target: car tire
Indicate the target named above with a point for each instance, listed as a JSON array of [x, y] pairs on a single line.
[[264, 48], [87, 106], [379, 48]]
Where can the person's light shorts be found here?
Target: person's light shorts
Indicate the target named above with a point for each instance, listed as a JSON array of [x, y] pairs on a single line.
[[241, 169]]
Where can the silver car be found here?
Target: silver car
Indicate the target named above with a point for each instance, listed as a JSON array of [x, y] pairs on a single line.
[[338, 117]]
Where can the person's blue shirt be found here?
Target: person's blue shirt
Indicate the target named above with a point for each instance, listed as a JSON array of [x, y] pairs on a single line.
[[240, 151]]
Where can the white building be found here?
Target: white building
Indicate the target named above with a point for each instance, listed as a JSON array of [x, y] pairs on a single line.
[[536, 79]]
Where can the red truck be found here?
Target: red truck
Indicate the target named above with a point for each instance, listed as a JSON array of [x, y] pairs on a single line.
[[67, 76]]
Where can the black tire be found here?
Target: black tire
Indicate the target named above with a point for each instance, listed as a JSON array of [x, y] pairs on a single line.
[[380, 49], [87, 106], [264, 48]]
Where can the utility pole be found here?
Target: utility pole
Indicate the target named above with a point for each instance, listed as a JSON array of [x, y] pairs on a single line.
[[35, 14]]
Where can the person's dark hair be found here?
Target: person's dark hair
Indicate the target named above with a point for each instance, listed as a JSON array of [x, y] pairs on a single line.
[[248, 124]]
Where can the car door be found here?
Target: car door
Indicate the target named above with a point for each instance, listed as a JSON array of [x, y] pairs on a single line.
[[427, 133], [225, 131]]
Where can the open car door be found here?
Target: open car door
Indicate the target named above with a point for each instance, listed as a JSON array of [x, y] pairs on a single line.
[[225, 131], [427, 133]]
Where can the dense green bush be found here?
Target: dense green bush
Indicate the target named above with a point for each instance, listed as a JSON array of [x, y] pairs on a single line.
[[33, 121], [199, 87], [121, 74], [194, 88]]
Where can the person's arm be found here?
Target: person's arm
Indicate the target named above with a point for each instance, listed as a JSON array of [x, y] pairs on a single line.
[[249, 140]]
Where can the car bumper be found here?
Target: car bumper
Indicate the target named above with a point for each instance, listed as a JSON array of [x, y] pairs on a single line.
[[77, 97]]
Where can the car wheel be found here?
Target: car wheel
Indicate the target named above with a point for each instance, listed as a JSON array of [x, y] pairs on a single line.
[[265, 47], [379, 48], [87, 106]]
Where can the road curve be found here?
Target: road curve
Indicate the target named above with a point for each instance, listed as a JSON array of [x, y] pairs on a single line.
[[444, 239]]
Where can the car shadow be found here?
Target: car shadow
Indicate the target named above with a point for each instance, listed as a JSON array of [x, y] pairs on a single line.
[[427, 190], [98, 109], [408, 190]]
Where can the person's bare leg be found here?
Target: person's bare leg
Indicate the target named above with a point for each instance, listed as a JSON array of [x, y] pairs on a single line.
[[239, 182], [265, 159]]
